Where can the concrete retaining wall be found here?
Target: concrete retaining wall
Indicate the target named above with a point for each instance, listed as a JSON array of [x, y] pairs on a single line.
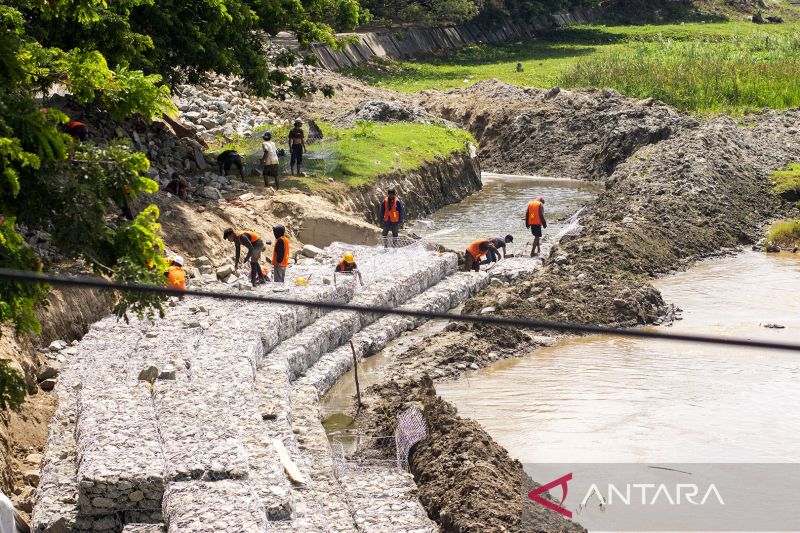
[[407, 43]]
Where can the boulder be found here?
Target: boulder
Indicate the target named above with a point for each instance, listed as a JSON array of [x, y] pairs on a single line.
[[211, 193], [48, 384], [149, 373], [309, 250], [224, 271], [50, 370], [57, 346]]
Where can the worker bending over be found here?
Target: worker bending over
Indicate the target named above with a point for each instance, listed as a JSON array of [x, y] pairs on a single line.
[[392, 215], [347, 266], [493, 256], [176, 276], [255, 246], [474, 252], [280, 254], [534, 219]]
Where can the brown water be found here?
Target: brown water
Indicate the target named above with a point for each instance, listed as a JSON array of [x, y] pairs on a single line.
[[499, 209], [611, 399]]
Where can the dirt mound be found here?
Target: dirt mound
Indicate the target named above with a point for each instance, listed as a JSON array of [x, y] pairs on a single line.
[[383, 111], [467, 482], [581, 134], [704, 190]]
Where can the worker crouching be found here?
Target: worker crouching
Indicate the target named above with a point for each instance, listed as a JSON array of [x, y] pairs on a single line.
[[255, 246], [474, 252], [347, 266], [176, 276]]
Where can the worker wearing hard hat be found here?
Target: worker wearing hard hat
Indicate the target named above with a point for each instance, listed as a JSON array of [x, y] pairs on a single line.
[[176, 276], [348, 266]]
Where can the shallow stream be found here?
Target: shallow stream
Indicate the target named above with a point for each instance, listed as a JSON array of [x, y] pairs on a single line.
[[611, 399]]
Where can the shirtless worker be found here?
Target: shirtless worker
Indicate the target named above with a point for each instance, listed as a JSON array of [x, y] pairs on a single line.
[[297, 145], [254, 245], [474, 252], [534, 219]]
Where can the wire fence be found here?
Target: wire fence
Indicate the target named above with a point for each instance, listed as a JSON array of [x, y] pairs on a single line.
[[19, 276]]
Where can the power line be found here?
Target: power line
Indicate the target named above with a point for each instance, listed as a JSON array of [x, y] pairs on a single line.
[[99, 283]]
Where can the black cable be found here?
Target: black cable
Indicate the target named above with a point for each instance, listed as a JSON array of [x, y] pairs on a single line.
[[98, 283]]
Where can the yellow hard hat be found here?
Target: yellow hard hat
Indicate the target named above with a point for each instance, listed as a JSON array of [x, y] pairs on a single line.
[[349, 258], [301, 282]]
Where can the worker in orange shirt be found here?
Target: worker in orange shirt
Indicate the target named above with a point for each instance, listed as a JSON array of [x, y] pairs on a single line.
[[176, 276], [534, 219], [474, 252], [280, 254]]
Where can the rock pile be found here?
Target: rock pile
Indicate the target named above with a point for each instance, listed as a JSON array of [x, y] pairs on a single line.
[[387, 111], [223, 107]]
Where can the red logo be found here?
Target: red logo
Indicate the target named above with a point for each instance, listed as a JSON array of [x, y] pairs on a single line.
[[557, 507]]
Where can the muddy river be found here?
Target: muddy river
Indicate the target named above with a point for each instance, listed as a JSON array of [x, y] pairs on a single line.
[[609, 399], [499, 209]]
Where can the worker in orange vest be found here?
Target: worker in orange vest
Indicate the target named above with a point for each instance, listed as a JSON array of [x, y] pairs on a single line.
[[347, 266], [176, 276], [534, 219], [77, 130], [254, 245], [474, 252], [392, 216], [280, 254]]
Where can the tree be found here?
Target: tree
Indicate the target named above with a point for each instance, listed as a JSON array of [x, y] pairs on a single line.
[[120, 56]]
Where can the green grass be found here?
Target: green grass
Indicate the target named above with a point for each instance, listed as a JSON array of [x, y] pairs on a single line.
[[787, 181], [785, 234], [706, 68], [359, 155]]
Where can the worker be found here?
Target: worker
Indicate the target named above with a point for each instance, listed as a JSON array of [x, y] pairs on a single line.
[[474, 252], [179, 186], [498, 243], [176, 276], [347, 266], [254, 245], [77, 130], [297, 145], [392, 216], [228, 159], [280, 254], [269, 160], [534, 219]]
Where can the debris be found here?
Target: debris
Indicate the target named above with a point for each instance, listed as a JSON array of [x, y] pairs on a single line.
[[291, 469], [149, 373]]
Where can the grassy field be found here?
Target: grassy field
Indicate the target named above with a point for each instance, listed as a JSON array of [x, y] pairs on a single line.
[[357, 156], [706, 68], [786, 233]]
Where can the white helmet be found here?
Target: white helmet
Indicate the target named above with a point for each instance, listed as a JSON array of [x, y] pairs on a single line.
[[178, 259]]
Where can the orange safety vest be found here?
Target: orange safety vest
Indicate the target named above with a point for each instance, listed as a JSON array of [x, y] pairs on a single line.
[[475, 251], [345, 267], [250, 235], [390, 215], [285, 260], [176, 278], [534, 213]]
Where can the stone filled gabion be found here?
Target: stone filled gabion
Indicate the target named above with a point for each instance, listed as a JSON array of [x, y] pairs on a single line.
[[213, 507], [120, 461], [194, 448]]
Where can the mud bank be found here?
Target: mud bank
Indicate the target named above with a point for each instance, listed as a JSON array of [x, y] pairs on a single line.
[[23, 434], [580, 134], [423, 191], [467, 482], [705, 190]]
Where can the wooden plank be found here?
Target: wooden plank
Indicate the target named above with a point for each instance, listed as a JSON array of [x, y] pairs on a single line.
[[288, 465]]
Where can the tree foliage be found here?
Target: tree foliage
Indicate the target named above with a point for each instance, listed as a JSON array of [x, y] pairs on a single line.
[[120, 56]]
